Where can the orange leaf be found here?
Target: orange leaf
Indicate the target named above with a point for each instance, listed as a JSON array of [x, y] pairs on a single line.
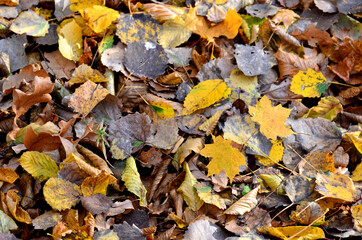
[[12, 202], [8, 175]]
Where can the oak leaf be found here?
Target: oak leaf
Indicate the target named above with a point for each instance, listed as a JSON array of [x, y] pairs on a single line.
[[271, 119], [223, 156]]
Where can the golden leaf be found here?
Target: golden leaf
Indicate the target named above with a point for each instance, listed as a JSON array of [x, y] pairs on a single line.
[[357, 214], [337, 186], [275, 155], [132, 180], [271, 119], [78, 5], [39, 165], [274, 181], [191, 144], [316, 162], [98, 184], [244, 204], [309, 83], [86, 97], [163, 109], [328, 107], [300, 232], [99, 18], [356, 138], [205, 94], [82, 164], [83, 73], [61, 194], [357, 173], [70, 39], [224, 156], [188, 190], [8, 175], [13, 203]]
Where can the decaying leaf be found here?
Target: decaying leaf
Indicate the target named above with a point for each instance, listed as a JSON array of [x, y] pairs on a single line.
[[12, 201], [328, 107], [83, 73], [271, 119], [86, 97], [30, 23], [337, 186], [8, 175], [133, 182], [223, 156], [6, 223], [206, 194], [98, 184], [244, 204]]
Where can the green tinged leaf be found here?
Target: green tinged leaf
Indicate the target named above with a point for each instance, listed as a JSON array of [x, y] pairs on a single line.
[[39, 165], [6, 223], [133, 182]]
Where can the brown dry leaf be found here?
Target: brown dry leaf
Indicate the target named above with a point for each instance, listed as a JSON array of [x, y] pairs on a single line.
[[285, 16], [83, 73], [308, 213], [13, 203], [189, 146], [22, 101], [61, 194], [42, 142], [8, 175], [244, 204], [46, 220], [97, 184], [86, 97], [337, 186], [58, 65]]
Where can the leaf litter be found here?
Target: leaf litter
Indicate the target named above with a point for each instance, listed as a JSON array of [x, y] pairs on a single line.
[[225, 119]]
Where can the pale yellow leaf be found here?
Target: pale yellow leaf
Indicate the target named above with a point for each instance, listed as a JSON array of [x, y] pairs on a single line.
[[244, 204], [70, 40]]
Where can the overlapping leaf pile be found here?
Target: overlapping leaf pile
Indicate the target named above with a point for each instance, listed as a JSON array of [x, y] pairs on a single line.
[[187, 120]]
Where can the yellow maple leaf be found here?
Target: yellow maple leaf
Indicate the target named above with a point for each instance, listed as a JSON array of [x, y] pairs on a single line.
[[99, 18], [271, 119], [224, 156], [70, 39], [309, 83], [205, 94]]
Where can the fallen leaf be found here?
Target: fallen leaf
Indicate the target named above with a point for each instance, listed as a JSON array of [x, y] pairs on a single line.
[[271, 119], [132, 180], [205, 94], [97, 203], [285, 16], [223, 156], [86, 97], [78, 5], [7, 223], [13, 203], [328, 107], [316, 162], [210, 124], [99, 18], [8, 175], [337, 186], [39, 165], [252, 60], [244, 204], [97, 184], [208, 196], [189, 146], [163, 110], [83, 73], [275, 154], [241, 129], [46, 220], [31, 24], [309, 83], [308, 213], [61, 194], [58, 65], [70, 39], [298, 232], [203, 229], [164, 134], [188, 190], [274, 182]]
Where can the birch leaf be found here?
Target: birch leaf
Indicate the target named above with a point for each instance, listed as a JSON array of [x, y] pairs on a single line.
[[205, 94], [70, 39], [309, 83]]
